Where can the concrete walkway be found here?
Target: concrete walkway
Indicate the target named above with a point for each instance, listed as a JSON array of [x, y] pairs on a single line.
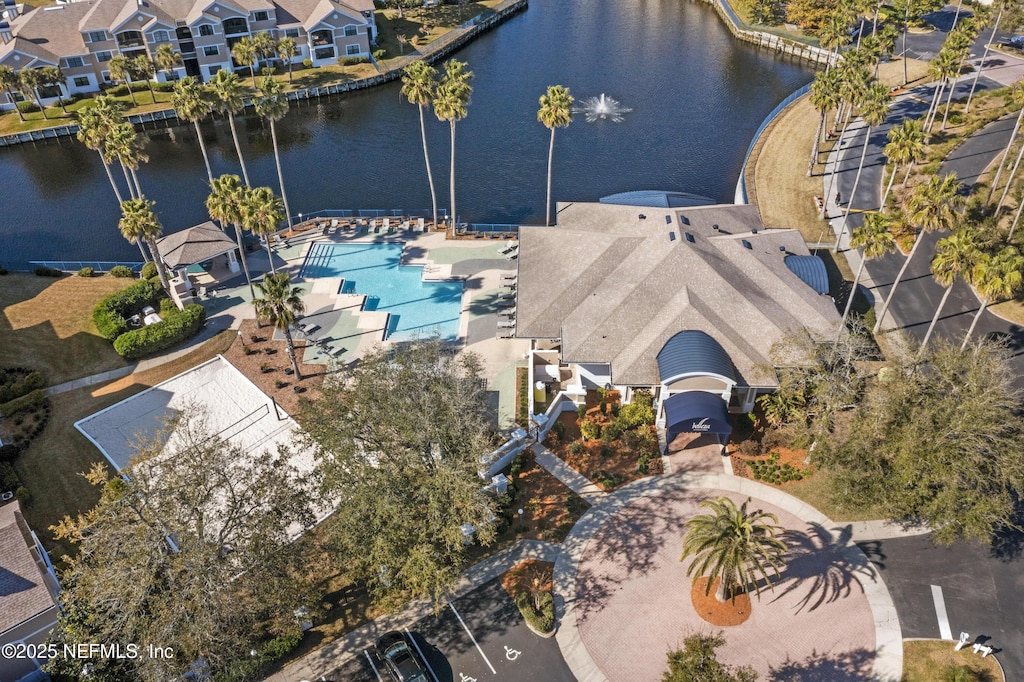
[[339, 652], [574, 480]]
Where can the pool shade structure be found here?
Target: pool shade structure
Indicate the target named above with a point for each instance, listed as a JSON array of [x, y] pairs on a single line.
[[697, 412]]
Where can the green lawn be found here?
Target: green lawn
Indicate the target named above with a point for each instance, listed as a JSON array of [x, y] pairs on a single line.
[[815, 492], [933, 660], [46, 324]]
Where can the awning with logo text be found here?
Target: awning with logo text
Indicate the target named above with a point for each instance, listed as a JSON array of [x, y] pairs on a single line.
[[696, 412]]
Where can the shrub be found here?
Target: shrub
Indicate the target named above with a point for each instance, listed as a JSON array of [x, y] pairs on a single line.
[[611, 432], [110, 314], [558, 428], [577, 448], [10, 390], [120, 271], [636, 413], [8, 477], [538, 609], [380, 54], [9, 452], [516, 467], [23, 495], [27, 106], [43, 271], [85, 272], [149, 270], [167, 307], [869, 318], [164, 87], [589, 430], [581, 411], [352, 61], [307, 63], [175, 328], [576, 505], [280, 383], [26, 402]]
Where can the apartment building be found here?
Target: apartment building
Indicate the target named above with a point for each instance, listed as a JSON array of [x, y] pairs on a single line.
[[82, 37]]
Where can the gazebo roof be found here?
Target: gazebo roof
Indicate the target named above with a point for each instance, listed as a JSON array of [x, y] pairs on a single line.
[[194, 245]]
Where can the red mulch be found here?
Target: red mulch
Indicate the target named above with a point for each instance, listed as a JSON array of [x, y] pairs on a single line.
[[528, 576], [543, 499], [720, 613], [794, 458], [277, 362]]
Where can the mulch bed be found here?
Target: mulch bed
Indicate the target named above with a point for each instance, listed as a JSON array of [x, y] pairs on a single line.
[[547, 513], [795, 458], [720, 613], [277, 361]]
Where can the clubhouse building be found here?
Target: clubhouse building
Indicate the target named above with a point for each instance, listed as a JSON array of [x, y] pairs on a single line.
[[686, 303], [82, 37]]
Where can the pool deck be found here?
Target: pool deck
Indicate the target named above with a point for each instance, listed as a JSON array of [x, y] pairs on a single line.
[[343, 324]]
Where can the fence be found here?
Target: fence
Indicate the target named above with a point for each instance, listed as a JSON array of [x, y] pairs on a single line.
[[425, 213], [69, 265], [741, 184]]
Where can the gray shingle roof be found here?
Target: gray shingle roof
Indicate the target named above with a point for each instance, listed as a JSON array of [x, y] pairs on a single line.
[[194, 245], [615, 288], [23, 593]]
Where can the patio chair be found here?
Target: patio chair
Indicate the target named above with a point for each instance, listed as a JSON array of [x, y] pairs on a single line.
[[334, 222], [510, 247], [508, 312], [506, 333], [422, 225], [506, 324]]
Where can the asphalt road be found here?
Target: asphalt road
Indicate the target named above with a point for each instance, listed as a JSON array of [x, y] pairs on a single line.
[[490, 643], [981, 591]]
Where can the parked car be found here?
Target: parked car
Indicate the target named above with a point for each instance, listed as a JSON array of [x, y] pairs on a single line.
[[401, 660]]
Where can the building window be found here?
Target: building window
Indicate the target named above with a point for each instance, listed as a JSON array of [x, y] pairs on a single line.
[[261, 16], [206, 30], [234, 26], [322, 38], [161, 36], [213, 70], [211, 50], [324, 52], [81, 81], [106, 76], [103, 56], [350, 30], [351, 49], [292, 32], [74, 62], [127, 39], [97, 36]]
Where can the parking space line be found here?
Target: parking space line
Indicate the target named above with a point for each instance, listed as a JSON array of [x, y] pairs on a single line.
[[482, 654], [420, 652], [375, 671], [945, 632]]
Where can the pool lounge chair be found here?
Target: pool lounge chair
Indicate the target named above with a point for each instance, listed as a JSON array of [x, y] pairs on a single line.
[[509, 279], [506, 333], [509, 248], [508, 312], [506, 324]]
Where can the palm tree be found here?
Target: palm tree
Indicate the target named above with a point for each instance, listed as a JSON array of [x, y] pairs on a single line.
[[138, 222], [933, 206], [824, 96], [733, 545], [906, 146], [166, 58], [1017, 92], [834, 34], [54, 77], [227, 90], [419, 83], [984, 57], [875, 237], [960, 39], [286, 50], [874, 107], [262, 212], [272, 105], [246, 53], [279, 303], [125, 143], [30, 80], [94, 124], [944, 68], [120, 70], [450, 101], [9, 82], [141, 67], [190, 104], [225, 206], [265, 45], [995, 277], [555, 112], [954, 257]]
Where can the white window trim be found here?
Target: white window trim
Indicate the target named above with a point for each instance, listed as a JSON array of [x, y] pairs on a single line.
[[207, 48], [352, 54]]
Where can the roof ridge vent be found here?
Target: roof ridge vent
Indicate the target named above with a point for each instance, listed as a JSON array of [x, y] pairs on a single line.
[[746, 244], [715, 227]]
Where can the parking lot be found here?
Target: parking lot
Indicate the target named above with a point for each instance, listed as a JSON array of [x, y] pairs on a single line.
[[480, 636]]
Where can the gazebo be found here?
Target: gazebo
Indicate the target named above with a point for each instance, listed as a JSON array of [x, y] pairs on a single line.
[[199, 244]]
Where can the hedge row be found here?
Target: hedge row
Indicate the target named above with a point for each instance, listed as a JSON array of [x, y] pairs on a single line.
[[110, 314], [175, 328], [25, 402], [13, 388], [542, 619]]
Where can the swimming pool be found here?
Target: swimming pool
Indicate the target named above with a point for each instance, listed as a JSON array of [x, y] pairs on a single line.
[[417, 308]]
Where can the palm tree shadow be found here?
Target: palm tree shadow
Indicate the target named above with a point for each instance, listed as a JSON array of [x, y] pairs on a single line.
[[820, 562], [848, 666]]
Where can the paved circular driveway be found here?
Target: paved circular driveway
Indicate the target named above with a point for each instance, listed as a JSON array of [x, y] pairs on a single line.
[[627, 597]]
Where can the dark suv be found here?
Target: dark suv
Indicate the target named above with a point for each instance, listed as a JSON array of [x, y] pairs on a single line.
[[399, 657]]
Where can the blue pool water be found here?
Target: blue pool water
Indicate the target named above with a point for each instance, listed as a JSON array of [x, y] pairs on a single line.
[[417, 308]]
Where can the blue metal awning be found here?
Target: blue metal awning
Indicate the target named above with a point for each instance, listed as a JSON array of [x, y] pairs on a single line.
[[696, 412], [694, 352]]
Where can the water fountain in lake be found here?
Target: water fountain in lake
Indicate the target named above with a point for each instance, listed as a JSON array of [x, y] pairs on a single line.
[[601, 108]]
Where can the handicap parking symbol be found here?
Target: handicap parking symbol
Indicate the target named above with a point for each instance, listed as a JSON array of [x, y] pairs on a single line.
[[511, 654]]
